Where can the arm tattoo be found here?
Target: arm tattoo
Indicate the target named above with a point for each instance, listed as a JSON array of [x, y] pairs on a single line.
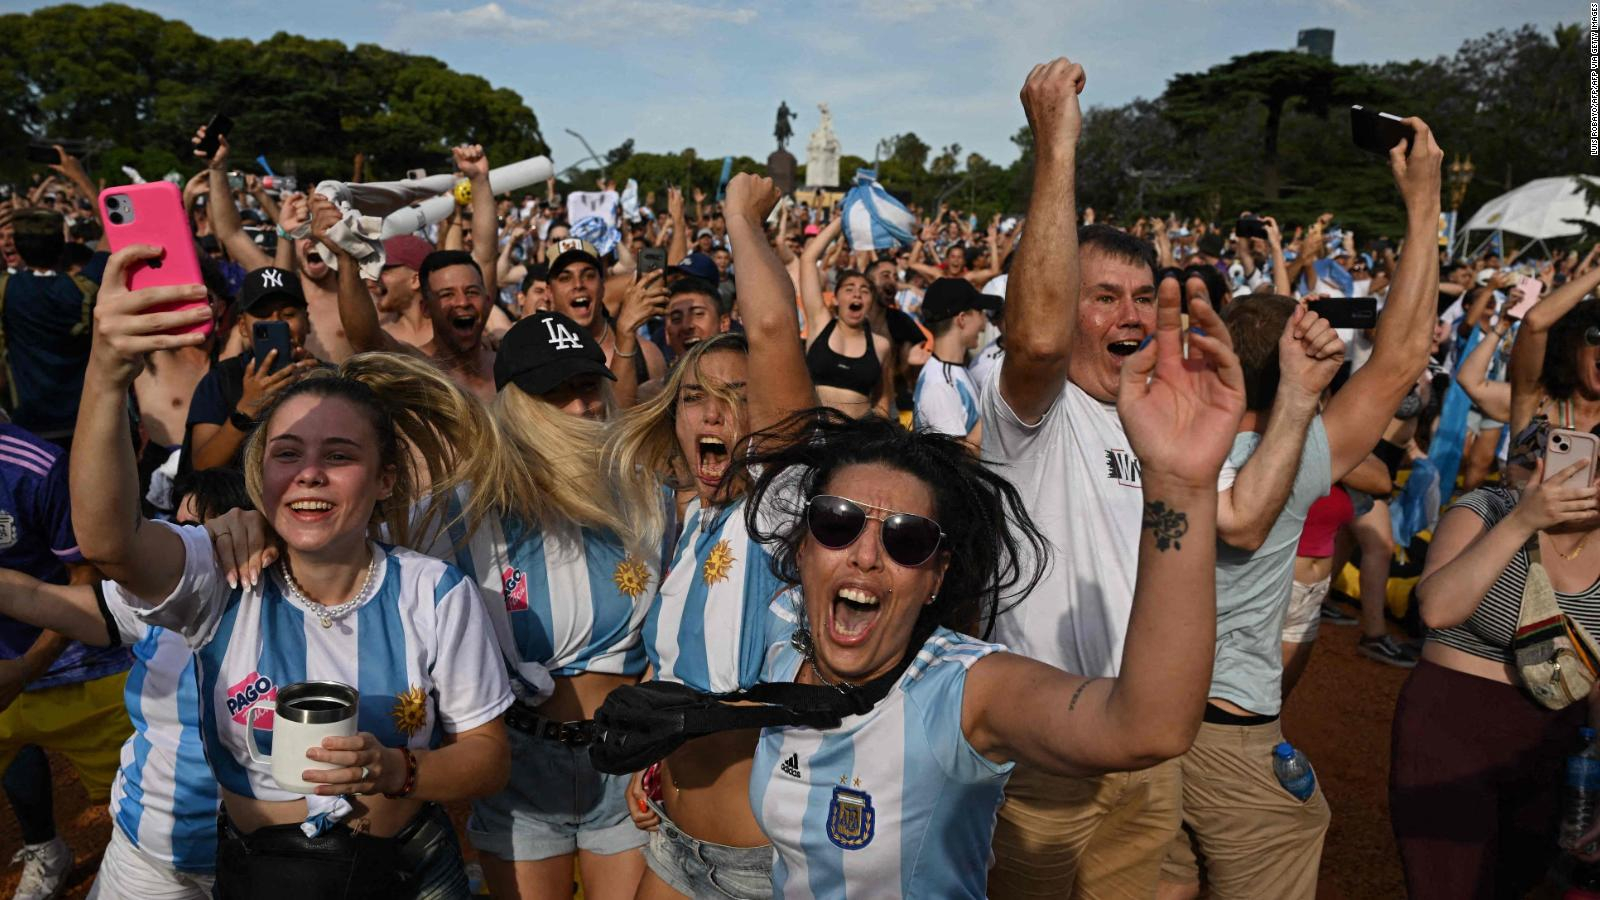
[[1168, 524], [1073, 703]]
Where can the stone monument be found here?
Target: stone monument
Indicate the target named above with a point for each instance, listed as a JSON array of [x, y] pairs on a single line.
[[781, 163], [822, 154]]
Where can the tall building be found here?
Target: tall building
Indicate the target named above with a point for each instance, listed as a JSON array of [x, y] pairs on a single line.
[[1317, 42]]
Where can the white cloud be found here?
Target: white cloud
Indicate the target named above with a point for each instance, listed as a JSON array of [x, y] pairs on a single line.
[[593, 21]]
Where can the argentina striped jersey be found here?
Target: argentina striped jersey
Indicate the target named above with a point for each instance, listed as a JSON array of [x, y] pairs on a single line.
[[164, 798], [893, 803], [418, 650], [569, 600], [711, 622]]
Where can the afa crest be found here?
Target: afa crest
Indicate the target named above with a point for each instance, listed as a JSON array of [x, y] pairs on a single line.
[[850, 818], [8, 531]]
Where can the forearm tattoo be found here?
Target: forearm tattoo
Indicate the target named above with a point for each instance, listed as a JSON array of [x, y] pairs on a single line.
[[1168, 525]]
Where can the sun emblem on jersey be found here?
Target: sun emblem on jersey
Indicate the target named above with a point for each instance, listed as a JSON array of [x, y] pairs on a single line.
[[851, 818], [410, 711], [718, 563], [631, 577]]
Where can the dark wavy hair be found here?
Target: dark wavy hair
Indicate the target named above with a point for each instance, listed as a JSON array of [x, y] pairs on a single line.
[[1560, 372], [997, 554]]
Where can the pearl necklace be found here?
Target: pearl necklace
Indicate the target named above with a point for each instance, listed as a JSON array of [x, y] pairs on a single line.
[[326, 614]]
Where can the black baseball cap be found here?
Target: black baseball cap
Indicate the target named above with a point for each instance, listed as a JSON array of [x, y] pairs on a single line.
[[545, 349], [268, 283], [947, 298]]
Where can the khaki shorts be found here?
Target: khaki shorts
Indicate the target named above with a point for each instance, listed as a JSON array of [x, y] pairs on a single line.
[[1091, 838], [1252, 836], [1305, 612]]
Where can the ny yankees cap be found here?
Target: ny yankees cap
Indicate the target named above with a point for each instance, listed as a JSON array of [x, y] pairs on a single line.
[[267, 283], [542, 351]]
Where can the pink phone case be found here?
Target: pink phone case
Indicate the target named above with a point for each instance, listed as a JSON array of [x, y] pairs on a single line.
[[1527, 296], [1564, 447], [154, 215]]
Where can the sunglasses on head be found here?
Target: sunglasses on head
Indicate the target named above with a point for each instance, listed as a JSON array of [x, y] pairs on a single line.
[[836, 523]]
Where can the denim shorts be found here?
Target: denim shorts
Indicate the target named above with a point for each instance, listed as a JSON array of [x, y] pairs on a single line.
[[699, 869], [555, 804]]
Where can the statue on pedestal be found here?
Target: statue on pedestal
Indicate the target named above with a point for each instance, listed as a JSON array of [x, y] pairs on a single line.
[[783, 131], [781, 164], [822, 153]]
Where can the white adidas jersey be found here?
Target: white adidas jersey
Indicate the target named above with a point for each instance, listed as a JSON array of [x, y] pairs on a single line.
[[418, 650], [894, 803]]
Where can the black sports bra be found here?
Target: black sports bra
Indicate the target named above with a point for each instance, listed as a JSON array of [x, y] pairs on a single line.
[[861, 374]]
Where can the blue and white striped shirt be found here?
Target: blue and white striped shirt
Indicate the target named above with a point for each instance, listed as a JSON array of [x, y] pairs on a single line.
[[418, 650], [164, 798], [570, 600], [893, 803], [711, 622]]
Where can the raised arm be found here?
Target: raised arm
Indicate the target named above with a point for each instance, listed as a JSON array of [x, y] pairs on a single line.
[[1527, 354], [357, 313], [1359, 412], [779, 382], [1309, 355], [816, 311], [1493, 397], [1180, 417], [144, 557], [1041, 312], [678, 244], [474, 164], [1280, 268], [221, 211]]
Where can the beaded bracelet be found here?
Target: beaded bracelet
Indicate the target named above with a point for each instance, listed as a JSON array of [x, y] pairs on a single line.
[[411, 776]]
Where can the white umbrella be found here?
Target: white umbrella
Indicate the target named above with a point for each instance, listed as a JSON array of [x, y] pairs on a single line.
[[1538, 210]]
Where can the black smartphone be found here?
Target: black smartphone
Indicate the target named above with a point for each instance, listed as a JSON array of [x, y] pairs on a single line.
[[1378, 132], [219, 126], [652, 259], [43, 154], [1347, 312], [268, 336], [1250, 227]]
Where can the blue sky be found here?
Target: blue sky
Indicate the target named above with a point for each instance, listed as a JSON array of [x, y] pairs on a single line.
[[709, 74]]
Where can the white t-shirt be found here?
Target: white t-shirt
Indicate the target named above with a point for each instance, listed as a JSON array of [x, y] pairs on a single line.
[[1081, 484], [945, 399], [986, 365]]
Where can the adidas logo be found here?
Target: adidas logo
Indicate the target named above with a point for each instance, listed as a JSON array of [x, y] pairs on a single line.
[[791, 766]]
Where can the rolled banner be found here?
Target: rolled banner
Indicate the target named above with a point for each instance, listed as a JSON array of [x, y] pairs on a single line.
[[502, 180], [874, 220]]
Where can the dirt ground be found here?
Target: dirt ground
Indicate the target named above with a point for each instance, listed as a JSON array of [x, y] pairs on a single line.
[[1339, 715]]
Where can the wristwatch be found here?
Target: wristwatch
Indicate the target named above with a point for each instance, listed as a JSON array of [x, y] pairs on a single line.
[[241, 421]]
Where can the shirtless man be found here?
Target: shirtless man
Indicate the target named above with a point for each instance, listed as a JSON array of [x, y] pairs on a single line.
[[327, 340], [398, 291]]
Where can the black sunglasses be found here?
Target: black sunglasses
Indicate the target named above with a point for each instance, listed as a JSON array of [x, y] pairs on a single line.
[[836, 522], [1591, 335]]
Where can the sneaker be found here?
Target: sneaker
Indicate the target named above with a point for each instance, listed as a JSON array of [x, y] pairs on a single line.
[[1387, 650], [45, 868], [1333, 615]]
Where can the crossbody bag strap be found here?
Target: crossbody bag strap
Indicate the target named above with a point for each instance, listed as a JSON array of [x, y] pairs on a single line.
[[1538, 595]]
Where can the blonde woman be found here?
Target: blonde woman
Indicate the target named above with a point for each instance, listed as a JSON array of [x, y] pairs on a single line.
[[710, 624]]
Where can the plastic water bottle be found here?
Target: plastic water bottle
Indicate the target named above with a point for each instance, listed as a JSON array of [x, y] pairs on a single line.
[[1294, 771], [1581, 798]]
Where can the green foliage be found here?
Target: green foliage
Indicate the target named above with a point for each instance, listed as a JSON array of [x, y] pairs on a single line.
[[142, 84]]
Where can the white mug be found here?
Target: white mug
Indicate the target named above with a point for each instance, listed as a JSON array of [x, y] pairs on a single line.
[[304, 714]]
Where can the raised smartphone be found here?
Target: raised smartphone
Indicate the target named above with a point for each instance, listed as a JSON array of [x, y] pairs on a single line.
[[1347, 312], [268, 336], [1564, 447], [1378, 132], [153, 213]]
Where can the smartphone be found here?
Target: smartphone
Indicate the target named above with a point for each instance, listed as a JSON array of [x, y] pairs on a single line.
[[219, 126], [1378, 132], [1250, 227], [1527, 295], [44, 154], [652, 259], [268, 336], [1347, 312], [1564, 447], [153, 214], [235, 181]]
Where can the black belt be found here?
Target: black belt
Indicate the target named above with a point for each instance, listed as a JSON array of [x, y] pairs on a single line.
[[338, 863], [1216, 715], [577, 734]]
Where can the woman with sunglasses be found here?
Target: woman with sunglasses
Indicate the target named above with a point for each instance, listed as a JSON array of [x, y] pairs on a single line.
[[1555, 360], [331, 460], [711, 622], [906, 545]]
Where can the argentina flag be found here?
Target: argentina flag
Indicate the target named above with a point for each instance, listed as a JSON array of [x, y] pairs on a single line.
[[872, 218]]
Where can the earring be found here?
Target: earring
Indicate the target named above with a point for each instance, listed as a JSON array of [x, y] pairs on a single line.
[[931, 598]]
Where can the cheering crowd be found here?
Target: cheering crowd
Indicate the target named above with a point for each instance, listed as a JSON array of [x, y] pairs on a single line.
[[975, 563]]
